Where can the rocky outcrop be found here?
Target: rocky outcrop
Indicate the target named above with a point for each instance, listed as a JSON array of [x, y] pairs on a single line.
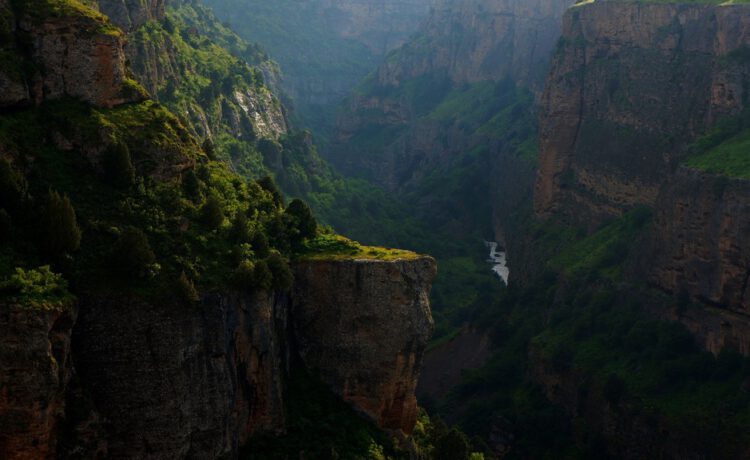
[[35, 368], [130, 14], [632, 83], [701, 239], [362, 326], [77, 54], [159, 60], [166, 380], [180, 381]]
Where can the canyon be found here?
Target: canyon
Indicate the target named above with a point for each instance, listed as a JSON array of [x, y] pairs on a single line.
[[592, 141]]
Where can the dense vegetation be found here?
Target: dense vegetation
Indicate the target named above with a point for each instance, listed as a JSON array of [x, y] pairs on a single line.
[[580, 320], [173, 217]]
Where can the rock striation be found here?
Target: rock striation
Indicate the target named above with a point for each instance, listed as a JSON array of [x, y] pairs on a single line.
[[177, 381], [631, 83], [363, 326], [131, 14]]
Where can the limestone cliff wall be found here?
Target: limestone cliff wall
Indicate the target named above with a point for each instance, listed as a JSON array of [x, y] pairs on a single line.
[[475, 41], [363, 326], [701, 240], [163, 381], [35, 368], [631, 83], [183, 381]]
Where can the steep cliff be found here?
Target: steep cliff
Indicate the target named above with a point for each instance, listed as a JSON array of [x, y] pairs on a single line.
[[347, 313], [75, 55], [325, 47], [177, 383], [631, 84], [36, 366], [178, 352], [131, 14], [474, 41]]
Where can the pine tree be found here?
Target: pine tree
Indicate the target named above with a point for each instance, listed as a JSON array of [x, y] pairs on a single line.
[[58, 228], [118, 166], [132, 254], [212, 215]]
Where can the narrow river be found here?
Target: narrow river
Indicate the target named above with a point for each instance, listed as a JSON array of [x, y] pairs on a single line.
[[498, 260]]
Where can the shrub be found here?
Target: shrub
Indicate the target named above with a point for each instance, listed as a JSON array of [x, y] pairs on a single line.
[[304, 224], [118, 166], [185, 289], [132, 254], [58, 229], [260, 245], [212, 215], [37, 288]]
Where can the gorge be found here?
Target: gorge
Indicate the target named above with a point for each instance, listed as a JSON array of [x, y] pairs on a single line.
[[176, 177]]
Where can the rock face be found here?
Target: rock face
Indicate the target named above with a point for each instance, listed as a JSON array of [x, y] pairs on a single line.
[[244, 111], [474, 41], [164, 381], [363, 326], [701, 239], [35, 368], [630, 85], [325, 47], [183, 381], [130, 14], [78, 55], [462, 43]]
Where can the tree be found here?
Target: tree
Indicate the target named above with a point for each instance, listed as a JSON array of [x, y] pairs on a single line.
[[282, 274], [239, 228], [260, 245], [12, 187], [118, 166], [452, 446], [212, 215], [58, 228], [132, 254], [269, 185], [302, 219]]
